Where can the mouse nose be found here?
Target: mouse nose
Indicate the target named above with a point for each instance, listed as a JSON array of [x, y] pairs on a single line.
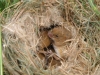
[[50, 34]]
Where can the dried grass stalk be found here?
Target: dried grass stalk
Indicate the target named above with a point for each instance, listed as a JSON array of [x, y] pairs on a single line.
[[20, 38]]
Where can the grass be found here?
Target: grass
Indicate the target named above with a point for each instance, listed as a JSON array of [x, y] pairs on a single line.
[[1, 65], [5, 3], [93, 6], [20, 23]]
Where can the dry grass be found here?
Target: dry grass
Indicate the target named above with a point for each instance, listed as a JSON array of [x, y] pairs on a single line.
[[20, 28]]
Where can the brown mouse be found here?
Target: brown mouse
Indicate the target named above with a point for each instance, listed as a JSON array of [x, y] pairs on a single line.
[[44, 41], [60, 36], [49, 56]]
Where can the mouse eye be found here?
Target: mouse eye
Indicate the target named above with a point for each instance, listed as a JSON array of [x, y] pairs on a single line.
[[56, 35]]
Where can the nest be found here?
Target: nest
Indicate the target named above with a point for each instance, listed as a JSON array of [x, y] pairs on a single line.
[[20, 38]]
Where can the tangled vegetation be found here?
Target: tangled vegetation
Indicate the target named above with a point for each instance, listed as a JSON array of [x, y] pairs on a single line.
[[20, 24]]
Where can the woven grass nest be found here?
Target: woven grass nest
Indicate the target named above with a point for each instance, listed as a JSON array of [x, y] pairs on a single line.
[[20, 31]]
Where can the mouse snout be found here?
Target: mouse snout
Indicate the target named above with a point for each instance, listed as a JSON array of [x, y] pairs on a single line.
[[50, 34]]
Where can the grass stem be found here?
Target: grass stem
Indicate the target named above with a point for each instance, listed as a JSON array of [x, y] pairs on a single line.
[[1, 69]]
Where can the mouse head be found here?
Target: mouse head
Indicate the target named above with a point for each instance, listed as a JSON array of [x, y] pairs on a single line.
[[59, 35]]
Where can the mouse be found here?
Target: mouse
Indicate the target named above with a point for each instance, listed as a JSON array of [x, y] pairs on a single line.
[[60, 37]]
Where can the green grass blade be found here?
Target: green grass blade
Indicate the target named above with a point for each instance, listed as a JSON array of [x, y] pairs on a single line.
[[1, 69], [95, 9]]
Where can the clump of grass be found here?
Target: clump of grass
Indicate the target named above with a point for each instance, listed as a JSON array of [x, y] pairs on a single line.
[[95, 9], [20, 28], [5, 3]]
